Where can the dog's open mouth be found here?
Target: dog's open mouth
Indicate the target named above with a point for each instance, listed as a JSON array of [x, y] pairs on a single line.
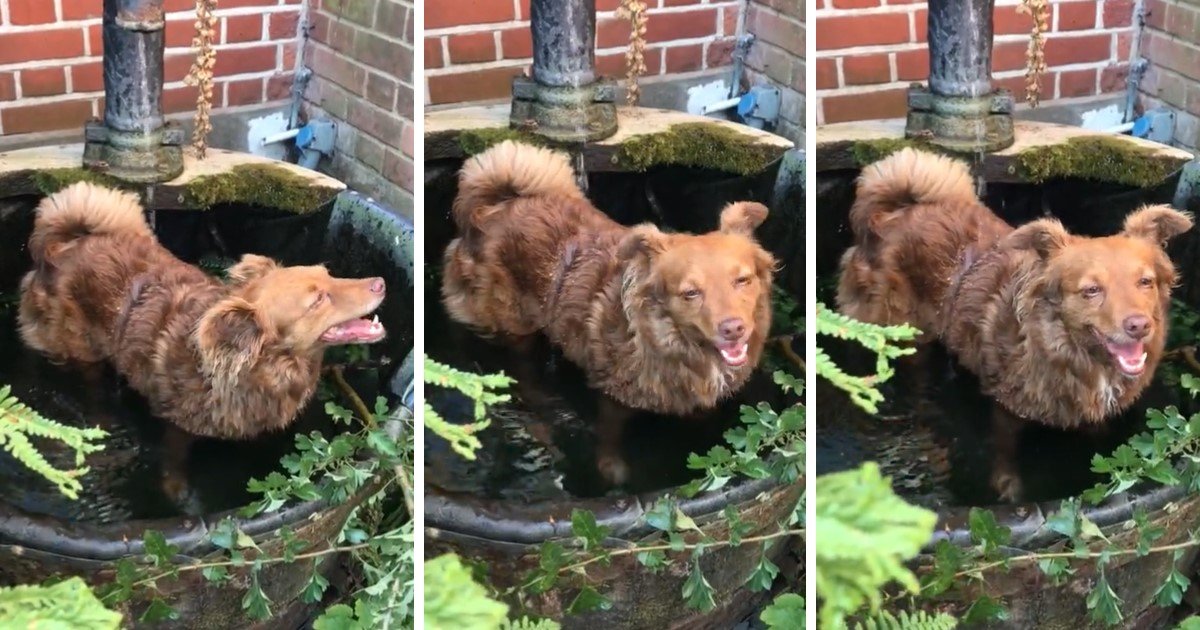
[[1130, 356], [355, 331], [735, 354]]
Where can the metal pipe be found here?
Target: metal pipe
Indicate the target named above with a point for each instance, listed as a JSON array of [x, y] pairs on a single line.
[[960, 47], [721, 106], [133, 65], [564, 42]]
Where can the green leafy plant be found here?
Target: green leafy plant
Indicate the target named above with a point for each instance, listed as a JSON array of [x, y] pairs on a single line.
[[19, 423], [65, 605], [884, 341]]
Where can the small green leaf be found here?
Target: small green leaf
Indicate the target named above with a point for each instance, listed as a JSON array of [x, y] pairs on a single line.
[[315, 588], [697, 591], [588, 600], [255, 603], [984, 610], [583, 525], [986, 532], [653, 560], [763, 575], [785, 613]]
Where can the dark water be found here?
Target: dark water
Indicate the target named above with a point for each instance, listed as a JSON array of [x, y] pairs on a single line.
[[124, 482], [543, 444]]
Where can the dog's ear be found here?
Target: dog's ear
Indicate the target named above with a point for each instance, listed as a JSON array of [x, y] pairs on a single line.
[[1044, 236], [643, 240], [229, 336], [742, 217], [1157, 224], [251, 267]]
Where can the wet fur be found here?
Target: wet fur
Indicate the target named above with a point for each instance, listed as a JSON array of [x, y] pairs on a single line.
[[533, 255], [929, 253], [219, 360]]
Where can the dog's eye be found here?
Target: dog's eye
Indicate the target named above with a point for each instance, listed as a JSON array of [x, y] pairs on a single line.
[[1091, 291], [742, 281], [317, 301], [691, 294], [1146, 282]]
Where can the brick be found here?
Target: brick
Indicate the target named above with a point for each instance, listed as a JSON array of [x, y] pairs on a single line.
[[854, 4], [1009, 56], [472, 86], [1179, 20], [234, 4], [1076, 83], [1117, 13], [406, 141], [284, 25], [912, 65], [775, 29], [43, 82], [1016, 85], [876, 105], [433, 52], [381, 90], [243, 92], [612, 32], [8, 86], [1155, 11], [382, 54], [377, 123], [835, 32], [398, 170], [39, 45], [176, 66], [665, 27], [243, 28], [728, 20], [357, 11], [370, 152], [80, 9], [1061, 51], [1124, 43], [827, 77], [25, 12], [339, 69], [341, 36], [181, 99], [920, 25], [279, 86], [87, 77], [1008, 21], [1076, 16], [1112, 78], [233, 61], [866, 69], [720, 53], [516, 43], [472, 47], [46, 116], [391, 19], [180, 33], [447, 13], [679, 3], [688, 58], [613, 64], [404, 101]]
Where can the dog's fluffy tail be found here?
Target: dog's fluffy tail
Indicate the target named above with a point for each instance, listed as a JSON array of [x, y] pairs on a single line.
[[507, 171], [80, 210], [908, 178]]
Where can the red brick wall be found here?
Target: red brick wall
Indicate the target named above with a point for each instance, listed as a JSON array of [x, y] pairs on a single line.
[[778, 56], [473, 48], [50, 64], [1171, 46], [868, 51], [361, 54]]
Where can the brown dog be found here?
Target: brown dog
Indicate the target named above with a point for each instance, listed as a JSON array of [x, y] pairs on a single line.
[[1061, 329], [219, 360], [670, 323]]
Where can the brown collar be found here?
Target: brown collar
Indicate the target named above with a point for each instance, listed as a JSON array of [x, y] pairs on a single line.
[[565, 262], [132, 297], [966, 263]]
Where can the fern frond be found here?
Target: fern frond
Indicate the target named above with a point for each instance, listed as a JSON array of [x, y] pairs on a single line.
[[68, 604], [884, 341], [18, 423], [483, 389], [919, 620]]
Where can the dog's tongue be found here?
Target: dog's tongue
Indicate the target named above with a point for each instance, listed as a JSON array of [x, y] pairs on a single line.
[[355, 331], [1131, 357], [736, 354]]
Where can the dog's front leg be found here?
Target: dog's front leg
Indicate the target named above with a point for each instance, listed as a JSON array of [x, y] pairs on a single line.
[[176, 447], [611, 417], [1006, 431]]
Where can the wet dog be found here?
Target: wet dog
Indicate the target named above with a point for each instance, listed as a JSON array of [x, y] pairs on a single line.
[[1061, 329], [226, 360], [670, 323]]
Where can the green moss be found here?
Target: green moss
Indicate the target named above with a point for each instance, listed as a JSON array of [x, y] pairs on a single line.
[[476, 141], [870, 151], [702, 145], [263, 185], [53, 180], [1097, 158]]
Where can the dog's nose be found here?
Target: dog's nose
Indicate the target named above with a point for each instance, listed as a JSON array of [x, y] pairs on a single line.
[[732, 328], [1137, 326], [377, 285]]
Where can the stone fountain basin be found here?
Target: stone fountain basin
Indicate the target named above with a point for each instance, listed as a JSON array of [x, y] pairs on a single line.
[[939, 455], [296, 215], [484, 511]]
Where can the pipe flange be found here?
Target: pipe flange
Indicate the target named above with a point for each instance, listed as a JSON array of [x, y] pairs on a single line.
[[134, 156], [565, 114], [965, 124]]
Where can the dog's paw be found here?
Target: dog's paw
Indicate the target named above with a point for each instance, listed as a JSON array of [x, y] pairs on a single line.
[[613, 469], [182, 496], [1008, 485]]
